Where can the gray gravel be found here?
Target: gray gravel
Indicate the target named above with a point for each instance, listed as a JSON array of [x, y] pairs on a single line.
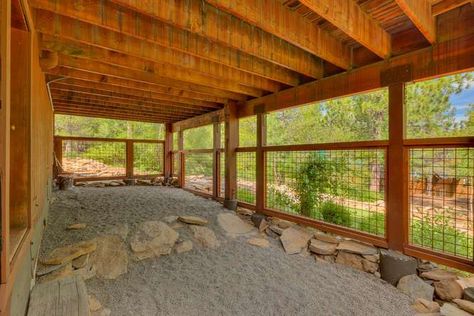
[[235, 279]]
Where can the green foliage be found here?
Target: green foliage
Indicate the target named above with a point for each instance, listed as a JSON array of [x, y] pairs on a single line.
[[246, 195], [335, 213]]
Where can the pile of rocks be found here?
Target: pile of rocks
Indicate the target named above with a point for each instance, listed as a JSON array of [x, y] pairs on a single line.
[[434, 291], [166, 181]]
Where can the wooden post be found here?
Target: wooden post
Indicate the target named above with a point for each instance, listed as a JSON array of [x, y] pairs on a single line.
[[5, 52], [58, 155], [260, 161], [168, 155], [181, 172], [397, 175], [216, 183], [129, 159], [231, 143]]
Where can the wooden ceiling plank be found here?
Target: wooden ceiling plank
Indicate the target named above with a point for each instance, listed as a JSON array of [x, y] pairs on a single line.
[[83, 113], [419, 12], [104, 14], [348, 16], [104, 45], [276, 19], [447, 5]]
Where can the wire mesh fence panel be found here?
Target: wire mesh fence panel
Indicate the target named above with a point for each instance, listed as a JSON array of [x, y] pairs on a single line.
[[441, 200], [342, 187], [86, 158], [198, 171], [246, 177], [222, 174], [176, 164], [148, 158]]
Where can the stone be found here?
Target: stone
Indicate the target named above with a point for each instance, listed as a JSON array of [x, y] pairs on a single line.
[[205, 236], [394, 265], [327, 238], [448, 290], [468, 294], [68, 253], [325, 259], [259, 242], [176, 225], [87, 272], [369, 266], [277, 230], [153, 239], [466, 282], [424, 306], [321, 247], [184, 246], [356, 247], [438, 275], [350, 259], [426, 266], [259, 220], [94, 304], [102, 312], [170, 219], [77, 226], [467, 306], [372, 258], [244, 211], [449, 309], [294, 240], [415, 287], [111, 258], [232, 224], [271, 233], [193, 220], [284, 224], [64, 271], [43, 270], [119, 230], [80, 262]]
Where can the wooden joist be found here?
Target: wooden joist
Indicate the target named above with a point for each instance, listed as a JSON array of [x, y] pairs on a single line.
[[448, 5], [419, 12]]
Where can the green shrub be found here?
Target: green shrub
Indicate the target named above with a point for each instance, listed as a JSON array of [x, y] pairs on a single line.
[[335, 213]]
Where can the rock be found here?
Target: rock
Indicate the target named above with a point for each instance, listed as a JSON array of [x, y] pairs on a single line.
[[259, 242], [193, 220], [259, 220], [110, 259], [244, 211], [327, 238], [369, 266], [294, 240], [426, 266], [466, 282], [68, 253], [48, 269], [284, 224], [372, 258], [438, 275], [415, 287], [448, 290], [350, 259], [468, 294], [94, 304], [277, 230], [467, 306], [119, 230], [153, 239], [80, 262], [64, 271], [233, 225], [424, 306], [449, 309], [325, 259], [184, 246], [322, 247], [271, 233], [170, 219], [102, 312], [77, 226], [176, 225], [205, 236], [394, 265], [87, 272], [356, 247]]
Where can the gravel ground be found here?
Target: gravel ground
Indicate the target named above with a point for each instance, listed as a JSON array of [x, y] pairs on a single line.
[[234, 279]]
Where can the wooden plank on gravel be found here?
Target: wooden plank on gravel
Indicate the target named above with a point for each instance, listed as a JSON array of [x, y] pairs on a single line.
[[63, 297]]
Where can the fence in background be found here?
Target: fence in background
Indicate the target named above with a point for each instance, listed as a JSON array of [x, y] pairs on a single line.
[[107, 158]]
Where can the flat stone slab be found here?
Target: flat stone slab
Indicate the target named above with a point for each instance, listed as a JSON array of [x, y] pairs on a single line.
[[77, 226], [68, 253], [294, 240], [328, 238], [205, 236], [467, 306], [111, 258], [259, 242], [415, 287], [232, 224], [357, 248], [449, 309], [184, 246], [193, 220], [438, 275], [153, 239], [322, 247]]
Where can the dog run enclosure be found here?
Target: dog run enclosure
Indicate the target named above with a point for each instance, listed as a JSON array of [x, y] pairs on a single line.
[[313, 111]]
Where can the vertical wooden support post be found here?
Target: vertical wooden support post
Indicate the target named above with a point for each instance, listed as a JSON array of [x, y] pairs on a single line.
[[260, 163], [5, 53], [397, 208], [129, 159], [231, 143], [168, 155], [58, 155], [216, 181], [181, 172]]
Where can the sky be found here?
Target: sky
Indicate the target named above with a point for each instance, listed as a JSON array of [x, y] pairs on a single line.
[[462, 101]]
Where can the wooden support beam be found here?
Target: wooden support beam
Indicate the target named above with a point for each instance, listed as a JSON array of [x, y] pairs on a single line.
[[216, 183], [136, 53], [58, 154], [444, 58], [231, 143], [260, 192], [111, 116], [347, 16], [83, 85], [419, 12], [129, 159], [201, 120], [397, 171], [145, 28], [447, 5], [181, 173], [168, 148], [276, 19]]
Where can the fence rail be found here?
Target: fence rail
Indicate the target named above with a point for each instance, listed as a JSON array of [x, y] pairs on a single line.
[[88, 158]]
